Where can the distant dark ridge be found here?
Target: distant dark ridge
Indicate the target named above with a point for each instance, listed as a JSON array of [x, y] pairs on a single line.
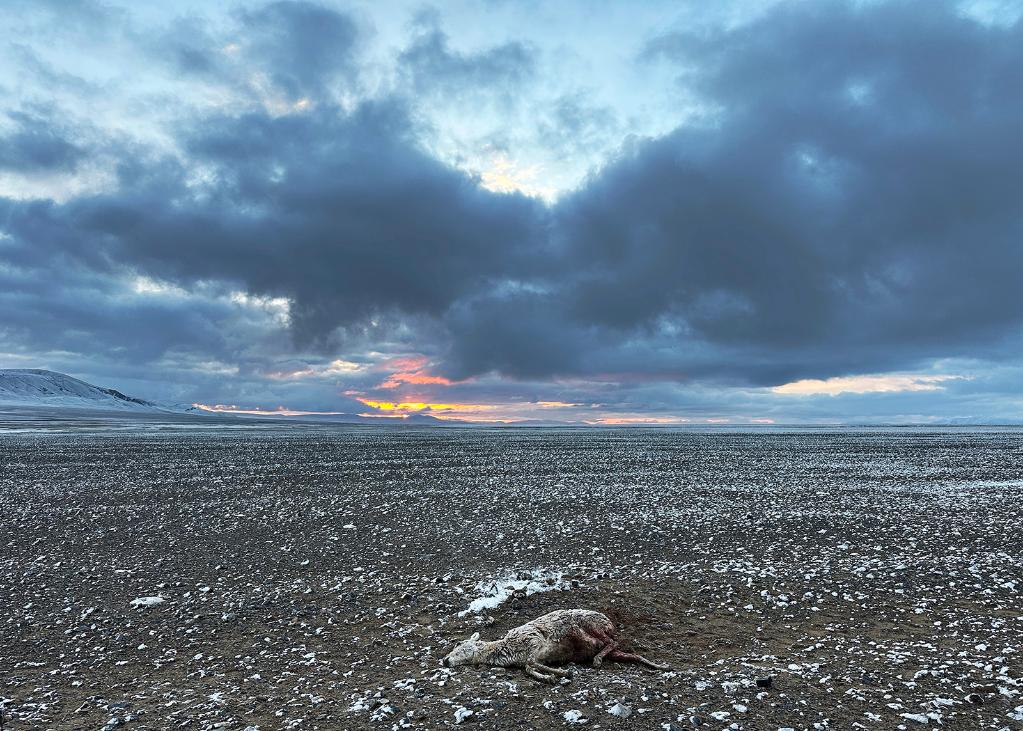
[[117, 394]]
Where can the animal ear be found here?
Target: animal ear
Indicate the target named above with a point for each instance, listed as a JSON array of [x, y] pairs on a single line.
[[475, 636]]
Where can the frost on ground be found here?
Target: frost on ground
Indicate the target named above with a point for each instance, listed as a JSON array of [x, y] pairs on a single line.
[[312, 578]]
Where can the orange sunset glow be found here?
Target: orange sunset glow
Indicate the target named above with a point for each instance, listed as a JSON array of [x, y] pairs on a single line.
[[410, 370], [414, 406]]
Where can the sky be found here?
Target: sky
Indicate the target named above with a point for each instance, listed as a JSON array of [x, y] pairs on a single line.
[[741, 212]]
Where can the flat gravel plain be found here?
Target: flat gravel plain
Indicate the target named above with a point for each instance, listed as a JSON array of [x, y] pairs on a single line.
[[306, 577]]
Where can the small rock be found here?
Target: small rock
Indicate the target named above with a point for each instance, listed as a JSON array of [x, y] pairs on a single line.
[[765, 682]]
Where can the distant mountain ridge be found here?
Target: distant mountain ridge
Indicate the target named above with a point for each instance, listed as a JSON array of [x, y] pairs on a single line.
[[37, 387], [47, 393], [34, 388]]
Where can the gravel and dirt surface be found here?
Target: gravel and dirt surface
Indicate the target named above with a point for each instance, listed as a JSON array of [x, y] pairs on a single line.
[[311, 578]]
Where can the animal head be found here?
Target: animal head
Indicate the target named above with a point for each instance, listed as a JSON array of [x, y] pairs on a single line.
[[465, 653]]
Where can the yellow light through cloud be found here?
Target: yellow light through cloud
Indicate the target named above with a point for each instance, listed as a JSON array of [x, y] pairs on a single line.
[[505, 176], [864, 384]]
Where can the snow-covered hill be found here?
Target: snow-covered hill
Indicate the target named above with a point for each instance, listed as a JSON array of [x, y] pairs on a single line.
[[32, 387]]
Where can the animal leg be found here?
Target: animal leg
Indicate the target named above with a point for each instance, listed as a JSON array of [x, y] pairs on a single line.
[[554, 671], [532, 672], [620, 656], [598, 660]]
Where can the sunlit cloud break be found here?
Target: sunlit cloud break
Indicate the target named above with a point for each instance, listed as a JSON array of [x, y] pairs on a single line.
[[865, 384], [337, 367]]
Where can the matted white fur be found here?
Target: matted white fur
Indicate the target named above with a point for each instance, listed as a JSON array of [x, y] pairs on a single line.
[[566, 635]]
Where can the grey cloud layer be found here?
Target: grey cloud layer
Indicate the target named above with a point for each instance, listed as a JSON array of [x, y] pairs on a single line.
[[37, 144], [850, 206], [849, 203]]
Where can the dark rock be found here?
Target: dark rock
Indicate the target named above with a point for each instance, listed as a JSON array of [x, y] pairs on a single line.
[[765, 682]]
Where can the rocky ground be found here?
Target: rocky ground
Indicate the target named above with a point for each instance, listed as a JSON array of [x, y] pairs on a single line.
[[308, 578]]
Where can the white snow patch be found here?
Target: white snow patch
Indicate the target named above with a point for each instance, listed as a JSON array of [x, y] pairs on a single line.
[[497, 591], [147, 601], [575, 716], [918, 717]]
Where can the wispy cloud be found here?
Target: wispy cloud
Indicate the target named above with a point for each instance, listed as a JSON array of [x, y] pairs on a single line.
[[256, 411]]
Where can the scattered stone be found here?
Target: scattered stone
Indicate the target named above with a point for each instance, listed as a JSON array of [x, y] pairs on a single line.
[[859, 576]]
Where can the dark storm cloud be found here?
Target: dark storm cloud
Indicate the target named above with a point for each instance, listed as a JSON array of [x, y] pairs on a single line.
[[521, 334], [51, 299], [303, 46], [848, 203], [852, 204], [35, 144], [344, 215], [304, 50]]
